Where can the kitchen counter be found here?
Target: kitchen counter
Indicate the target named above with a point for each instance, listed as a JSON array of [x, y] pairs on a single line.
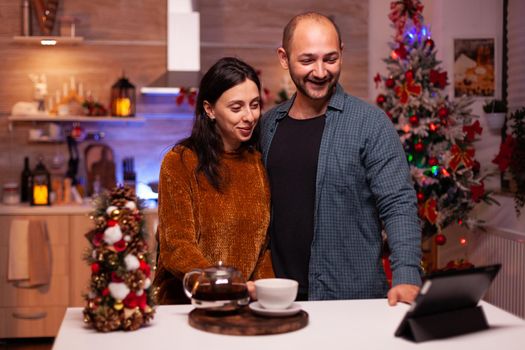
[[343, 324], [69, 209]]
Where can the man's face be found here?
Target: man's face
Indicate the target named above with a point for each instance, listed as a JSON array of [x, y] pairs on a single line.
[[314, 59]]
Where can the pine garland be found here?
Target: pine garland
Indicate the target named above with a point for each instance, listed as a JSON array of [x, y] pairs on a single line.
[[119, 294]]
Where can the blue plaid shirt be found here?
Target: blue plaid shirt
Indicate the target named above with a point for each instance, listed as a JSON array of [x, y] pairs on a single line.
[[363, 184]]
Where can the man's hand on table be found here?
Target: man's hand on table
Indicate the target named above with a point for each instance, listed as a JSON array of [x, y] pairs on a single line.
[[405, 293]]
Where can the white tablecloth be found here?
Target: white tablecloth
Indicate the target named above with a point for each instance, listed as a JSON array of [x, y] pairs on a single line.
[[345, 324]]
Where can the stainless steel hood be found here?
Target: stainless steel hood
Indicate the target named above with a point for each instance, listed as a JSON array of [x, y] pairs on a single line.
[[183, 53]]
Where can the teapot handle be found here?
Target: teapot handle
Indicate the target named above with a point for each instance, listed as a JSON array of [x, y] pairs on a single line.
[[187, 279]]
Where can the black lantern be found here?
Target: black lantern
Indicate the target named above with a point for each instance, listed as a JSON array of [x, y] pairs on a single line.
[[40, 185], [123, 98]]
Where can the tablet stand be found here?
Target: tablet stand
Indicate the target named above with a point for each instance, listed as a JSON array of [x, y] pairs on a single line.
[[445, 324]]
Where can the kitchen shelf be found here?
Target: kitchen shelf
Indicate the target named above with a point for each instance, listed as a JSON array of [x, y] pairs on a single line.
[[81, 119], [59, 40]]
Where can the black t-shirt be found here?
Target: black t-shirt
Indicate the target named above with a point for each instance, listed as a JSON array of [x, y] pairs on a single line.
[[292, 170]]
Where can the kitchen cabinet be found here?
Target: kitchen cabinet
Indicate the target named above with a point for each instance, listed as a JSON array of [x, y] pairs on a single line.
[[35, 312], [38, 312]]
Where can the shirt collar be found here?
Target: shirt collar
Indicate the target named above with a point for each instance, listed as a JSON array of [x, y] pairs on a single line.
[[337, 101]]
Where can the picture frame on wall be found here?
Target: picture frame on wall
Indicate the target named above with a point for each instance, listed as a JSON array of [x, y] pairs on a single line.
[[474, 67]]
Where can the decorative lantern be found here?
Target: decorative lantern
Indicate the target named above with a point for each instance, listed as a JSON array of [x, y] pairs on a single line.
[[40, 185], [123, 98]]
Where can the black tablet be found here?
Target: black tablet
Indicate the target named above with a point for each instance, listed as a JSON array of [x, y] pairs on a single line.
[[449, 292]]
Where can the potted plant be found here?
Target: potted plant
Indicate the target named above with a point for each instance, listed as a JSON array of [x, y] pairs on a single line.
[[495, 112]]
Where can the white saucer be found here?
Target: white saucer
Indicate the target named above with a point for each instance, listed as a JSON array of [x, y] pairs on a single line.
[[258, 309]]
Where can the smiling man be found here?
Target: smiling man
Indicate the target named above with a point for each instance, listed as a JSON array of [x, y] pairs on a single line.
[[338, 175]]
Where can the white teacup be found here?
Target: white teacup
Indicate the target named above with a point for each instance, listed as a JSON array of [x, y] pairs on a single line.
[[276, 293]]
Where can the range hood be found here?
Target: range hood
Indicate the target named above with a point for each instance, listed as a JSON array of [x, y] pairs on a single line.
[[183, 42]]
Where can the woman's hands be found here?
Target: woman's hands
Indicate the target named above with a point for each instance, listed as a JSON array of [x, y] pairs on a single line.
[[251, 290]]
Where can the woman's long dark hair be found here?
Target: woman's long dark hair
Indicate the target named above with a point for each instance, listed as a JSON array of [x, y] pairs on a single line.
[[205, 140]]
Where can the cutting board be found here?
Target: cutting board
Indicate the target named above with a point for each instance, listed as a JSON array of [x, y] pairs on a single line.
[[244, 322]]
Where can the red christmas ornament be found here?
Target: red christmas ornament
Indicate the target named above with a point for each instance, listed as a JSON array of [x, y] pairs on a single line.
[[116, 278], [400, 52], [419, 147], [429, 44], [477, 192], [78, 133], [120, 245], [97, 239], [432, 161], [389, 83], [105, 292], [438, 79], [414, 120], [95, 268], [112, 223], [443, 112], [420, 196], [440, 239], [377, 80], [380, 99], [409, 75], [144, 267]]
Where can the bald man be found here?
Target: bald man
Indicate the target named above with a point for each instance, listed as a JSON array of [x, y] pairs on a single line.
[[338, 176]]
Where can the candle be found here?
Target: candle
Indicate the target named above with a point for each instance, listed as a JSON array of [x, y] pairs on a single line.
[[123, 107], [72, 83], [81, 90], [40, 195]]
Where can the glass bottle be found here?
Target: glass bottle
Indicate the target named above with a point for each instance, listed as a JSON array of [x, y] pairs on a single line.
[[25, 181]]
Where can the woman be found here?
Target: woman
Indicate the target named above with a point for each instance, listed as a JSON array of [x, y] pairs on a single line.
[[213, 191]]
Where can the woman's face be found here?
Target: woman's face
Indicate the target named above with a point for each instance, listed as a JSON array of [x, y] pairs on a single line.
[[236, 113]]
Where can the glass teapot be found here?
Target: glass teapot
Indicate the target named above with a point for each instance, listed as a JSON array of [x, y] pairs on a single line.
[[218, 288]]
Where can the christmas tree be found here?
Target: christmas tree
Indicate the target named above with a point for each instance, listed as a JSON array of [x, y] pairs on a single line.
[[437, 133], [119, 294]]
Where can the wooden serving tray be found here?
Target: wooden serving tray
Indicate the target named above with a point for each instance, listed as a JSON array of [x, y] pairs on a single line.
[[245, 322]]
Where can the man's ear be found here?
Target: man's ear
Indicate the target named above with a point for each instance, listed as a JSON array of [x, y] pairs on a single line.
[[283, 57]]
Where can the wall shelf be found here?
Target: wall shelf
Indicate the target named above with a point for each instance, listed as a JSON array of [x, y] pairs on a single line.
[[73, 119], [48, 40]]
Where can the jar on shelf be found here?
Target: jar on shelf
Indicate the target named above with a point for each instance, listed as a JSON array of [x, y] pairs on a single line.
[[11, 193]]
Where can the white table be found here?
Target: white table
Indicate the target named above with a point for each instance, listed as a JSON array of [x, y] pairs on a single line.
[[345, 324]]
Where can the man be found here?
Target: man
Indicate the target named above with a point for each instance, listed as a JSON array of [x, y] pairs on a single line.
[[338, 175]]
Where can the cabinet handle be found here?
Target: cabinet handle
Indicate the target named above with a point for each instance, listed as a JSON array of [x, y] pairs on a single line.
[[30, 315]]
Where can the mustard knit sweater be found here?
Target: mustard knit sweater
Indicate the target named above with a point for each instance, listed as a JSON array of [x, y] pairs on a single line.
[[199, 226]]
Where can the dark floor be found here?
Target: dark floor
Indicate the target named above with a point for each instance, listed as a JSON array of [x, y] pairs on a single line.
[[27, 344]]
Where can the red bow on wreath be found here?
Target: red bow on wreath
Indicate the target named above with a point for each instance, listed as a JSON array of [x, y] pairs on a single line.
[[428, 210], [460, 156], [408, 87], [189, 94], [403, 10]]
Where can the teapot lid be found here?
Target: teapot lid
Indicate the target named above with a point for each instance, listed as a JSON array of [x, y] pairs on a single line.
[[220, 269]]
